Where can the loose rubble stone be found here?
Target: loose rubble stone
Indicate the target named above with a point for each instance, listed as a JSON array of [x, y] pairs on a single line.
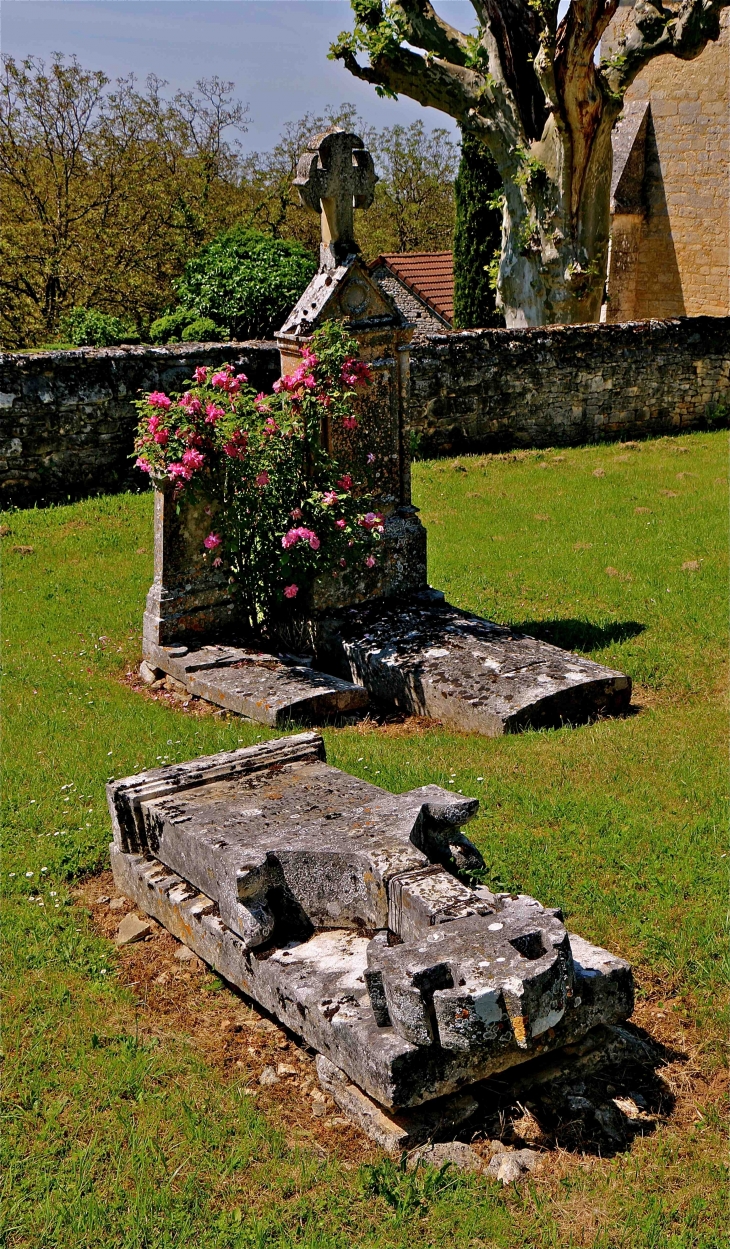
[[149, 675], [454, 1152], [117, 904], [184, 954], [268, 1076], [132, 928], [509, 1168]]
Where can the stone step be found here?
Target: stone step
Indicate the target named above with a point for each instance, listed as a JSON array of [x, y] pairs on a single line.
[[259, 686], [431, 659]]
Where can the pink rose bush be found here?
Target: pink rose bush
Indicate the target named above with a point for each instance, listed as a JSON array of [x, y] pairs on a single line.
[[287, 512]]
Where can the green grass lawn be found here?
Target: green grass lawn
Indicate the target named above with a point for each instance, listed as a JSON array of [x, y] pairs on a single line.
[[118, 1133]]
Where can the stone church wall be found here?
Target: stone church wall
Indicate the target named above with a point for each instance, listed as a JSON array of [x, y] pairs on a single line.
[[675, 258], [67, 417]]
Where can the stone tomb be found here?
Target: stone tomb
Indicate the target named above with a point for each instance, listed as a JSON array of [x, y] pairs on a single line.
[[337, 907], [380, 633]]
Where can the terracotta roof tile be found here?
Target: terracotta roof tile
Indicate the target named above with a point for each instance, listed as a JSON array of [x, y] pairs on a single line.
[[430, 275]]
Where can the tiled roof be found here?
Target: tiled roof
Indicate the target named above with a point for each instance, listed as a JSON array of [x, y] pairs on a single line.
[[430, 275]]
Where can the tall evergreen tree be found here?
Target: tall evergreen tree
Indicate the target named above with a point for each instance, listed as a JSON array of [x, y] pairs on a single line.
[[477, 236]]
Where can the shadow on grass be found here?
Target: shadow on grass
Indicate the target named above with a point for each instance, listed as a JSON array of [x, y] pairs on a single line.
[[579, 635]]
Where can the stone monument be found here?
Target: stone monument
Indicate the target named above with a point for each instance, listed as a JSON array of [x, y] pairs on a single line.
[[382, 633], [337, 907]]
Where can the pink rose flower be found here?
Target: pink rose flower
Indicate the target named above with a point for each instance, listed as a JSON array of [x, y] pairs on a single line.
[[193, 459], [159, 400], [302, 534], [161, 437], [270, 426], [212, 541], [260, 403], [372, 521], [213, 414], [236, 445], [191, 404], [370, 561], [291, 591], [220, 380], [355, 372], [153, 423], [330, 498], [263, 479], [179, 470], [200, 375], [217, 561], [145, 465], [349, 422], [345, 483], [296, 514], [341, 523]]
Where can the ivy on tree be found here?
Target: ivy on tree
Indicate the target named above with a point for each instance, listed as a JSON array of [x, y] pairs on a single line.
[[477, 236]]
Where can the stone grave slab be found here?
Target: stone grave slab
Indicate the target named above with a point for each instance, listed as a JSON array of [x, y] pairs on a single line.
[[333, 903], [259, 686], [431, 659]]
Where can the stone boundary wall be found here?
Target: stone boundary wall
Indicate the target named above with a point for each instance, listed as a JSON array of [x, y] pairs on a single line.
[[67, 417], [490, 390]]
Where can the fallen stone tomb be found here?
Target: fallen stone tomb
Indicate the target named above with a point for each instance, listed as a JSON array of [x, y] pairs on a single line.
[[381, 634], [342, 910]]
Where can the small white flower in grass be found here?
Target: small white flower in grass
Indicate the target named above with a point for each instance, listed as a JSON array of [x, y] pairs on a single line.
[[480, 778], [53, 893], [11, 873], [29, 874], [44, 869]]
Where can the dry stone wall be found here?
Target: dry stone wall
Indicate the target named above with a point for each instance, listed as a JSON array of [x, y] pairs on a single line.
[[489, 390], [67, 417]]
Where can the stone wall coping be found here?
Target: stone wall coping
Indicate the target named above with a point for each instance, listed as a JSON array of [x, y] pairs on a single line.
[[173, 351]]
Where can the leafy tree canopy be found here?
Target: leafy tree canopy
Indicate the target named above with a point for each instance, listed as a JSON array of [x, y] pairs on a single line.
[[246, 279]]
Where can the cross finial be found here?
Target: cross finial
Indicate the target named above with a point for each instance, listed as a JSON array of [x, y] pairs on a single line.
[[334, 176]]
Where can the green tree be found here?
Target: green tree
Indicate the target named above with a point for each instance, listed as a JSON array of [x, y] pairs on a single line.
[[106, 190], [246, 279], [477, 236], [527, 83]]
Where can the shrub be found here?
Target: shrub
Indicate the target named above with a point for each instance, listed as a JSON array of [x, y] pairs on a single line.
[[289, 513], [246, 279], [86, 327], [184, 325]]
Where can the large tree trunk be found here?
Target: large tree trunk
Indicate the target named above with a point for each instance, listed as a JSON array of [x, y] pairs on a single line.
[[529, 87], [555, 234]]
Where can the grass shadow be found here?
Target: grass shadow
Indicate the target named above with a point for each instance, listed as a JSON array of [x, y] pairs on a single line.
[[580, 635]]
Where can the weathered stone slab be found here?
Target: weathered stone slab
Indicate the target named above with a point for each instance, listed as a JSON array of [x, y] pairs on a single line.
[[327, 900], [431, 659], [291, 847], [259, 686], [394, 1132], [317, 989]]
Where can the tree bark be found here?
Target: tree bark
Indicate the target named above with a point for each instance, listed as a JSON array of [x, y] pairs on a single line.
[[530, 89]]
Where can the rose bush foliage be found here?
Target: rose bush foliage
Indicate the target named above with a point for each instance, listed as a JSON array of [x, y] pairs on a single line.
[[289, 512]]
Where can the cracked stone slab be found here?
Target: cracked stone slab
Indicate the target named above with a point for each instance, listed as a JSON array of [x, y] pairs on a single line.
[[431, 659], [317, 989], [286, 844], [259, 686]]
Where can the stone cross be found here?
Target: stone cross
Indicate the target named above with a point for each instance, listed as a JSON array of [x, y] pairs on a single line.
[[335, 176]]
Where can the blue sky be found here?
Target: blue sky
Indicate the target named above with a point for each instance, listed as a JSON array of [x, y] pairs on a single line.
[[274, 50]]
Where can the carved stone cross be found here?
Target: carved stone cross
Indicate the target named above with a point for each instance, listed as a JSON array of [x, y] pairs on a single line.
[[335, 176]]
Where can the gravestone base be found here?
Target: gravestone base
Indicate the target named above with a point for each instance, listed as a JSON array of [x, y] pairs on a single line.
[[420, 656], [427, 658], [316, 989]]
